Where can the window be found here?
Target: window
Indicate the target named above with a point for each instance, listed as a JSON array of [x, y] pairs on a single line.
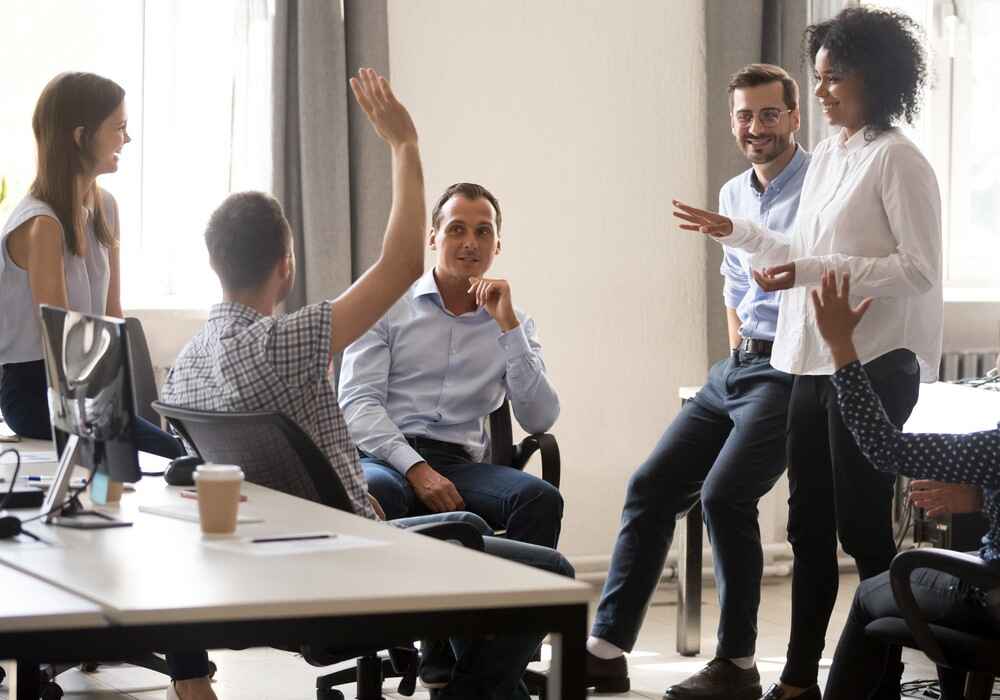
[[957, 132], [197, 80]]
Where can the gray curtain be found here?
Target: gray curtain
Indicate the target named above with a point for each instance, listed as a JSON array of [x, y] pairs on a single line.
[[332, 174], [738, 33]]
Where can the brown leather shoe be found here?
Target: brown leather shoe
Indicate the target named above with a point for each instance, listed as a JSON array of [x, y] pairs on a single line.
[[607, 675], [775, 692], [721, 679]]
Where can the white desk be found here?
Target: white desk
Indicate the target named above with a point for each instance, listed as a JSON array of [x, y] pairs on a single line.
[[165, 586], [32, 610]]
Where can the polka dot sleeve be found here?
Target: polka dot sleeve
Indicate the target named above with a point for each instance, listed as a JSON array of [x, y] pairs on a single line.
[[973, 458]]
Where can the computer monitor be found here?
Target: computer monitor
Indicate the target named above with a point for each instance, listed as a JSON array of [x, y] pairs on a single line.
[[90, 404]]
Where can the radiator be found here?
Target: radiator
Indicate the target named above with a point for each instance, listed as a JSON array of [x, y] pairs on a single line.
[[966, 364]]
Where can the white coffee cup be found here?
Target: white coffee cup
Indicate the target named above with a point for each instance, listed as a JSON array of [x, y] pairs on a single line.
[[218, 497]]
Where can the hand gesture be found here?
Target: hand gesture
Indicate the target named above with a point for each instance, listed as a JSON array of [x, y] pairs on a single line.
[[707, 222], [494, 296], [391, 120], [774, 279], [939, 498], [433, 490], [834, 315]]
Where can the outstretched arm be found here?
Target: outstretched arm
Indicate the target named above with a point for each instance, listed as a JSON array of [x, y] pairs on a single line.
[[402, 258]]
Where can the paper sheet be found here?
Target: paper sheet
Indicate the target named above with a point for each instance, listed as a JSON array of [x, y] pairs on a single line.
[[334, 543], [188, 510]]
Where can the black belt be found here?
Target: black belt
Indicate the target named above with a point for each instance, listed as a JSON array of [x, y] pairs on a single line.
[[418, 441], [754, 346]]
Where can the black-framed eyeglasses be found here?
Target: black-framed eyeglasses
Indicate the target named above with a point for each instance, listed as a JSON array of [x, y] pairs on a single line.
[[769, 116]]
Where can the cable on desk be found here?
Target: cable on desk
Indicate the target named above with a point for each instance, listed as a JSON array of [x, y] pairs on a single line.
[[13, 479]]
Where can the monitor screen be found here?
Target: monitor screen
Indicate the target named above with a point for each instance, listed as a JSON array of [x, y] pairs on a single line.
[[90, 388]]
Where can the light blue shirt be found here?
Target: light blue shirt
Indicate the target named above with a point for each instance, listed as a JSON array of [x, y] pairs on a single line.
[[422, 371], [774, 208]]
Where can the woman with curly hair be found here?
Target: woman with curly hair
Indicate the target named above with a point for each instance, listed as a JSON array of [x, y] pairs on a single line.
[[870, 207]]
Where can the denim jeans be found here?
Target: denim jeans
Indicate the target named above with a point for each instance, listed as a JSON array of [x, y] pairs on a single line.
[[25, 407], [866, 669], [528, 508], [835, 491], [726, 447]]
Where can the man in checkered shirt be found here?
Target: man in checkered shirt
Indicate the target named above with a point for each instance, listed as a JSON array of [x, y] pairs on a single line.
[[248, 359]]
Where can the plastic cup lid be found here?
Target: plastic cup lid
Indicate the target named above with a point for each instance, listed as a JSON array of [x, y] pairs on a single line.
[[218, 472]]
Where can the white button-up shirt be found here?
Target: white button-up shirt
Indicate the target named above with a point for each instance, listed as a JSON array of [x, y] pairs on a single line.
[[873, 209]]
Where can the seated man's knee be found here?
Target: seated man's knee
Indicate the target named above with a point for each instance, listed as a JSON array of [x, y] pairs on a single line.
[[389, 488]]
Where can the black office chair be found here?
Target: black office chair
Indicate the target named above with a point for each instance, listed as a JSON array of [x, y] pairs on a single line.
[[504, 452], [967, 663], [275, 452]]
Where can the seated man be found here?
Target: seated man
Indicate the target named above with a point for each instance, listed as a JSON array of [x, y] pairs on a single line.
[[247, 359], [417, 388]]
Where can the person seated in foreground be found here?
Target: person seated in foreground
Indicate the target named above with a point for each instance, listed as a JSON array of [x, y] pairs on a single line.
[[248, 359], [959, 473]]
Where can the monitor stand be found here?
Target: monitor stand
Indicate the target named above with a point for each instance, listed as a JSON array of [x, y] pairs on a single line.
[[72, 514]]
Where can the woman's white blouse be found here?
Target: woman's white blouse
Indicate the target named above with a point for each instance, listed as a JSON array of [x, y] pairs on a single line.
[[873, 209]]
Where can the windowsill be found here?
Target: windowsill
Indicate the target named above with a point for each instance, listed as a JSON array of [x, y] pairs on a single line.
[[973, 295]]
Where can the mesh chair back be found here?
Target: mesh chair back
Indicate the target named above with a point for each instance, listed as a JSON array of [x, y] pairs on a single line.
[[271, 449], [143, 379]]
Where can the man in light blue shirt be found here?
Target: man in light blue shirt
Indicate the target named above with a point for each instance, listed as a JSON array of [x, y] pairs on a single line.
[[416, 390], [727, 445]]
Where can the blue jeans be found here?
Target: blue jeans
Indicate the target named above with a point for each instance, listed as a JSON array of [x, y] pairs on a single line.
[[863, 667], [528, 508], [727, 448], [25, 407]]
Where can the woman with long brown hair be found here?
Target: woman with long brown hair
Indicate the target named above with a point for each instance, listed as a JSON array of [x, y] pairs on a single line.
[[60, 244]]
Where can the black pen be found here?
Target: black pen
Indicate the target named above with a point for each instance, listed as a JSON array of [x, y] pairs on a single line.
[[292, 538]]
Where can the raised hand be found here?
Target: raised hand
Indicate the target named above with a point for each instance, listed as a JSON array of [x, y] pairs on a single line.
[[389, 117], [494, 296], [775, 279], [836, 318], [707, 222], [939, 498]]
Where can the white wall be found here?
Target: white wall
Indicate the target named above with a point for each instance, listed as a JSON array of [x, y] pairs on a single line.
[[585, 118]]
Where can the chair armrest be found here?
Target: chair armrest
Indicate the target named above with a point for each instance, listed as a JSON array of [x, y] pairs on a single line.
[[551, 461], [464, 534], [971, 569]]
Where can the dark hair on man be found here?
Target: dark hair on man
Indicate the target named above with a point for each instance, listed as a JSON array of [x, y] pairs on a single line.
[[246, 237], [885, 49], [756, 74], [470, 191]]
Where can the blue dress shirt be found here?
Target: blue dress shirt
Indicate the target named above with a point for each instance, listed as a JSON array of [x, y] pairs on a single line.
[[774, 208], [422, 371]]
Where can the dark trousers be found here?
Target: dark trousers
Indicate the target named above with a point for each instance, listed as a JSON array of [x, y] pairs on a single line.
[[864, 668], [835, 491], [528, 508], [726, 447], [25, 407]]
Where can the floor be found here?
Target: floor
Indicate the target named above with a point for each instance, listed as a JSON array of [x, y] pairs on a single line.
[[266, 674]]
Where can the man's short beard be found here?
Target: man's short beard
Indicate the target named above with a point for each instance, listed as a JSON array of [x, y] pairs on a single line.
[[779, 147]]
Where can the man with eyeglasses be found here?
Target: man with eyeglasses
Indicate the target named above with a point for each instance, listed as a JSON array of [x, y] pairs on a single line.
[[727, 445]]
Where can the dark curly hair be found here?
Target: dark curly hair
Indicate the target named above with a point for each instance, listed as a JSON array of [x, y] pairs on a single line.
[[886, 49]]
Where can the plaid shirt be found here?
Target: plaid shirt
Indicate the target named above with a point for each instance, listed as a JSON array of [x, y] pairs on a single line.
[[243, 361]]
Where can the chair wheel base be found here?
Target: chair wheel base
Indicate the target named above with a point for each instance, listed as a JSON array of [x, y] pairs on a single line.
[[51, 691]]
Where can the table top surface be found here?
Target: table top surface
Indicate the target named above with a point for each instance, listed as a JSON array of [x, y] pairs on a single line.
[[29, 605], [163, 569]]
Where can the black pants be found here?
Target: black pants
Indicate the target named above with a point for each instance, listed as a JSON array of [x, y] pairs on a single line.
[[727, 448], [866, 669], [835, 491], [25, 407]]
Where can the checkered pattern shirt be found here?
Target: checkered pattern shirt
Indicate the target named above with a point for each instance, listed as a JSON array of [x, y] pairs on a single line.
[[244, 361]]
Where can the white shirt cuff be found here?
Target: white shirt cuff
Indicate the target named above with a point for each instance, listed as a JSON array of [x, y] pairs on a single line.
[[403, 457], [809, 272], [515, 342]]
